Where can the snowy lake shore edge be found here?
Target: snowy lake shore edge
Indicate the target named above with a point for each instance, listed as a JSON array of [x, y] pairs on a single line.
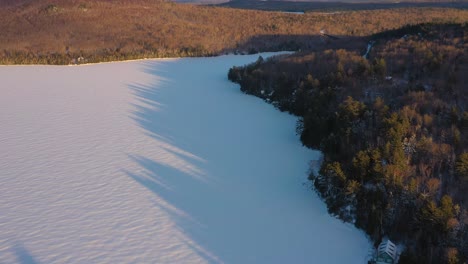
[[132, 163]]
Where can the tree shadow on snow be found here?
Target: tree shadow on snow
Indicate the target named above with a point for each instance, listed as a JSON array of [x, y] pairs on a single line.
[[224, 185], [23, 256], [174, 112], [177, 176]]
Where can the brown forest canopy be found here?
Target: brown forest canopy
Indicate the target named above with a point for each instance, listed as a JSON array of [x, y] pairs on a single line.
[[122, 29]]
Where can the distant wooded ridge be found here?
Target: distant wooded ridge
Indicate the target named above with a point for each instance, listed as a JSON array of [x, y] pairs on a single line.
[[311, 6]]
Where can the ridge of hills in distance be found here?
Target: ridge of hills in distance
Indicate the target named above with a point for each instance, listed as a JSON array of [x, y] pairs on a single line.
[[300, 5], [323, 5]]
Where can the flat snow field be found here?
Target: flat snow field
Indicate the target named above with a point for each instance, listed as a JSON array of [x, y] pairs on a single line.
[[156, 161]]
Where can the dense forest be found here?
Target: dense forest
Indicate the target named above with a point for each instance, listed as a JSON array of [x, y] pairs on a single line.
[[393, 127], [77, 31]]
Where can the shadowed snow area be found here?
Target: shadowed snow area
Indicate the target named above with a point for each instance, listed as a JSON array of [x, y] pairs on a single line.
[[156, 161]]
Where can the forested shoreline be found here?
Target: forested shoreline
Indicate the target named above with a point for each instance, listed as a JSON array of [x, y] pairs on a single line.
[[393, 128], [85, 31]]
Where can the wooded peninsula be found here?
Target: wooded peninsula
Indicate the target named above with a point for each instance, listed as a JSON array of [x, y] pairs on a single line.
[[392, 123]]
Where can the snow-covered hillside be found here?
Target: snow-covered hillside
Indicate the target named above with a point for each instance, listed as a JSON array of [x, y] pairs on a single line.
[[156, 161]]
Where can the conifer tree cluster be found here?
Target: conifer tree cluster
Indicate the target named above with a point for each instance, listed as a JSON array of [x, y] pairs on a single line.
[[392, 129]]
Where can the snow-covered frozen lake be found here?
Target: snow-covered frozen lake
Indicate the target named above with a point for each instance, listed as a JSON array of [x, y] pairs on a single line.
[[156, 161]]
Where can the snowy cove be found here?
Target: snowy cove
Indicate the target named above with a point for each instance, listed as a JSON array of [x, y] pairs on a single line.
[[156, 161]]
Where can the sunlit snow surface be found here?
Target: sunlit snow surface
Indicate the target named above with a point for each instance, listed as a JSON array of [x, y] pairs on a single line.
[[156, 161]]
